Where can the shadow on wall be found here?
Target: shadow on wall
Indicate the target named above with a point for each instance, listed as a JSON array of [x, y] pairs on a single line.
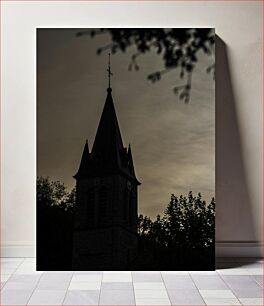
[[234, 215]]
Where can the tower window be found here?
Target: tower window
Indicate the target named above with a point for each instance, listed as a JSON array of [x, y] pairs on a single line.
[[103, 200]]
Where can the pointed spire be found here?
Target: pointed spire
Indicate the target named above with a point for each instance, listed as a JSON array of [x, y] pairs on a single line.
[[108, 141], [82, 172]]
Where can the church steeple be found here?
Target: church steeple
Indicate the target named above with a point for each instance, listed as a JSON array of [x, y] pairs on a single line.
[[108, 155]]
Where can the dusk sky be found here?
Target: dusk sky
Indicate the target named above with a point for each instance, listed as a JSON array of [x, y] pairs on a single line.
[[172, 142]]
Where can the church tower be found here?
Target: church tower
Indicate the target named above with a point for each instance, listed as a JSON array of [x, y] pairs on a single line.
[[105, 222]]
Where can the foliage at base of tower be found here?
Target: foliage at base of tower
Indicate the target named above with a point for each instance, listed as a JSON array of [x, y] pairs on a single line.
[[187, 221], [182, 239], [54, 225]]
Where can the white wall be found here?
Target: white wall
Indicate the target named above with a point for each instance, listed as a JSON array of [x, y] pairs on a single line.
[[239, 106]]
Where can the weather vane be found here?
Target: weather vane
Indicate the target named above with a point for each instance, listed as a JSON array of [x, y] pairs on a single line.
[[109, 71]]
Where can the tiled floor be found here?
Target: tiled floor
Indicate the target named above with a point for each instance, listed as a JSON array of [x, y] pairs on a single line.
[[235, 282]]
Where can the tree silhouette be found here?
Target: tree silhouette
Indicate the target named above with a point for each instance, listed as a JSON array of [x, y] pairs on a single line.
[[183, 238], [178, 48], [187, 221], [54, 225], [54, 193]]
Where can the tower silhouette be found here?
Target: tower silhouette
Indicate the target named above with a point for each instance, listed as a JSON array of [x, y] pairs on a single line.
[[105, 221]]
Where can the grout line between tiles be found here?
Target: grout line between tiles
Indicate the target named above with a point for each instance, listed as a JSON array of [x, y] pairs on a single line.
[[67, 289], [252, 276], [13, 272], [34, 288], [231, 289], [196, 287], [100, 288], [133, 288], [165, 287]]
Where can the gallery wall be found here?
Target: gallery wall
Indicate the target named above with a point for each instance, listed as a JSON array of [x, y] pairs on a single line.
[[238, 107]]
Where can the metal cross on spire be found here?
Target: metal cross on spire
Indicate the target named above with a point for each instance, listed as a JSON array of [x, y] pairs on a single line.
[[109, 71]]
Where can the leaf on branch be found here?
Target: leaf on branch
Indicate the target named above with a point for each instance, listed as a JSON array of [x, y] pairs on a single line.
[[154, 77], [178, 49]]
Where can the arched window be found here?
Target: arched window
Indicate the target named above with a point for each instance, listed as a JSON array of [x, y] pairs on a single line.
[[103, 201], [90, 206]]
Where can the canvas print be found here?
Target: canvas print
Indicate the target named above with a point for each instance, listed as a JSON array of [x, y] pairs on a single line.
[[125, 149]]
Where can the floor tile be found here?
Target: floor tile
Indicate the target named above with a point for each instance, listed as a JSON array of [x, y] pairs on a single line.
[[233, 271], [15, 297], [159, 302], [30, 260], [218, 294], [251, 301], [5, 277], [117, 297], [146, 277], [248, 293], [116, 272], [11, 265], [32, 278], [149, 286], [179, 273], [151, 294], [258, 279], [88, 272], [87, 297], [87, 278], [117, 277], [56, 272], [240, 282], [222, 301], [117, 286], [8, 270], [209, 282], [185, 297], [178, 282], [20, 285], [85, 286], [54, 282], [47, 297], [27, 268], [202, 273]]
